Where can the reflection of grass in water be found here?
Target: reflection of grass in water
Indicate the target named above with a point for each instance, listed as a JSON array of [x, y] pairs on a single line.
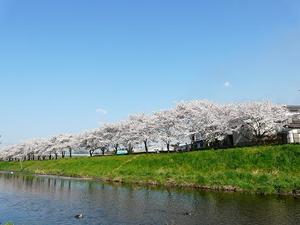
[[264, 169], [8, 223]]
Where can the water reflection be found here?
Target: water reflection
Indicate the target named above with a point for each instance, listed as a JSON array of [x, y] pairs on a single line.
[[39, 200]]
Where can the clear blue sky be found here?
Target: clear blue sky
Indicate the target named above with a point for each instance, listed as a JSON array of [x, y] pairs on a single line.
[[61, 60]]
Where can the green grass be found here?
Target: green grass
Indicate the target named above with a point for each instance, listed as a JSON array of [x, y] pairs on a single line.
[[267, 169]]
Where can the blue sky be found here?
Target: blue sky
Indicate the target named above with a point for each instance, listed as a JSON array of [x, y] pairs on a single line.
[[61, 60]]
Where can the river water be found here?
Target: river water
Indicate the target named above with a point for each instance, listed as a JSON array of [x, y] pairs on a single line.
[[44, 200]]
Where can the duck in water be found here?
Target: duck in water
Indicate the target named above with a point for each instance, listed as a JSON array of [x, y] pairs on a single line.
[[79, 216]]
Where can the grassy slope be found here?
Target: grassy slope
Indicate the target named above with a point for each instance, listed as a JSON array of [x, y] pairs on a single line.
[[270, 169]]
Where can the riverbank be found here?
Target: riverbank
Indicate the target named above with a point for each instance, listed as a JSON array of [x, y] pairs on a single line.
[[265, 170]]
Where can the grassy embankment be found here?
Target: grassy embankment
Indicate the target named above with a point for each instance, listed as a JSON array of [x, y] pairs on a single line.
[[268, 169]]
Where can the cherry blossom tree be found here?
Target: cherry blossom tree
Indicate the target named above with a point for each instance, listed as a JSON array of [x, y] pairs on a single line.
[[168, 128], [129, 136], [209, 121], [93, 140], [201, 118], [142, 129], [112, 134], [67, 141], [11, 152], [259, 121], [40, 148]]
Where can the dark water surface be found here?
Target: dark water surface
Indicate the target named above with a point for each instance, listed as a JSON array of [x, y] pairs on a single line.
[[36, 200]]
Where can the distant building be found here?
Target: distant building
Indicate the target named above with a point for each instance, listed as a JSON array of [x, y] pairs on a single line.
[[291, 132]]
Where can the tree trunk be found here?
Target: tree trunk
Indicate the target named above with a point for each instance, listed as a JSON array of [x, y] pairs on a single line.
[[103, 150], [130, 149], [192, 141], [116, 148], [91, 153], [168, 147], [55, 155], [146, 146], [50, 157], [70, 152], [63, 154]]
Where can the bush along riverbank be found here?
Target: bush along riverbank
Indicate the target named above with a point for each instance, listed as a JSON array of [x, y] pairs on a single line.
[[263, 169]]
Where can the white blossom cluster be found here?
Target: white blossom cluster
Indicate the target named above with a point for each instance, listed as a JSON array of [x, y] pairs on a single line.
[[208, 120]]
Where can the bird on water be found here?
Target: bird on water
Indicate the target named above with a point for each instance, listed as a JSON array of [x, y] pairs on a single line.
[[79, 216]]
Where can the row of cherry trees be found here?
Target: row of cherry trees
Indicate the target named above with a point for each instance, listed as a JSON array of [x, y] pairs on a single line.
[[256, 121]]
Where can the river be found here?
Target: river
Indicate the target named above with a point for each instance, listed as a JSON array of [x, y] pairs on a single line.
[[46, 200]]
